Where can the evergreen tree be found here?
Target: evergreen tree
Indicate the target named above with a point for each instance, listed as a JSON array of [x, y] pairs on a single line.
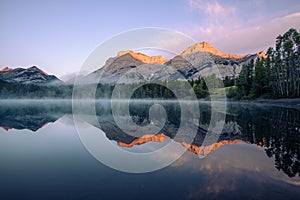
[[244, 81]]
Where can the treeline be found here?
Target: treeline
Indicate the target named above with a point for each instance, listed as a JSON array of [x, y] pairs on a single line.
[[176, 89], [33, 91], [157, 90], [277, 75]]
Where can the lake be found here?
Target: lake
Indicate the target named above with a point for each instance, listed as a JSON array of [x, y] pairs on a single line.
[[256, 155]]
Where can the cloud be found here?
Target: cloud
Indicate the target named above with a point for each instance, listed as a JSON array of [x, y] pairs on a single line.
[[255, 38], [214, 11], [228, 31]]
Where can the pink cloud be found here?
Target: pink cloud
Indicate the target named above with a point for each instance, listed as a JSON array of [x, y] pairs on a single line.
[[255, 38], [224, 29], [213, 9]]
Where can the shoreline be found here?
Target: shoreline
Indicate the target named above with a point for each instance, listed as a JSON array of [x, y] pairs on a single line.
[[285, 102]]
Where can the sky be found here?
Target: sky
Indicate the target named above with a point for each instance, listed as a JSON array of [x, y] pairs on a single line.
[[58, 36]]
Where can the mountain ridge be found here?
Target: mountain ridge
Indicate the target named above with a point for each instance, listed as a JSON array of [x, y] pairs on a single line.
[[32, 75], [143, 57], [195, 61], [206, 47]]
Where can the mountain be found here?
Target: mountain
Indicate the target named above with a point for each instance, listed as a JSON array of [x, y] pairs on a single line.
[[5, 69], [197, 60], [143, 57], [116, 67], [203, 56], [70, 77], [206, 47], [32, 75]]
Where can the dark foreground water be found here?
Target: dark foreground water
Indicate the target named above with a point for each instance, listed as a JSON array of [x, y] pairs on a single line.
[[256, 157]]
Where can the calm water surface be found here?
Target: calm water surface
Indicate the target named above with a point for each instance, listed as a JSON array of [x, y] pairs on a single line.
[[42, 157]]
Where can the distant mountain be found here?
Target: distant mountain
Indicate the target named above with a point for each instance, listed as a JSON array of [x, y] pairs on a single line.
[[32, 75], [5, 69], [197, 60], [70, 77]]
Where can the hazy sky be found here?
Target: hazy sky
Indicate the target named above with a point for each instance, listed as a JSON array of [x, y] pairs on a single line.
[[59, 35]]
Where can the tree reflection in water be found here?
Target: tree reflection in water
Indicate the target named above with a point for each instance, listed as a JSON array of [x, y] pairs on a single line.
[[276, 129]]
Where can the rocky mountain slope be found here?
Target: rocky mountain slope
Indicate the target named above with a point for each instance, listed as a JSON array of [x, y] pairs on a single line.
[[197, 60], [32, 75]]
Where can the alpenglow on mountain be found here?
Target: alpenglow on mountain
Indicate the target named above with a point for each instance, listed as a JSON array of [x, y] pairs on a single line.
[[197, 60], [32, 75]]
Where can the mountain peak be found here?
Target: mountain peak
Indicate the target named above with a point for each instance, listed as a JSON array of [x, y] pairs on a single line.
[[143, 57], [206, 47], [262, 54], [144, 139], [36, 68], [206, 150], [5, 69]]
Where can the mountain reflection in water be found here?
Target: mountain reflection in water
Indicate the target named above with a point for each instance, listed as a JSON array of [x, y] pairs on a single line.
[[31, 115], [275, 129]]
